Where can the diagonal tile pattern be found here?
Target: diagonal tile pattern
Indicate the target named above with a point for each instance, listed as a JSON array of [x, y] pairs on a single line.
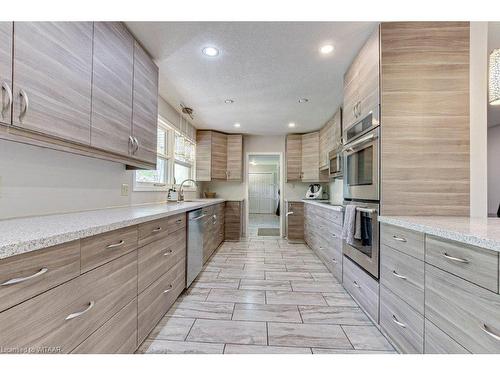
[[263, 295]]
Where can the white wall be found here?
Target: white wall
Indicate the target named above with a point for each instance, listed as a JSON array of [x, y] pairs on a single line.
[[493, 169]]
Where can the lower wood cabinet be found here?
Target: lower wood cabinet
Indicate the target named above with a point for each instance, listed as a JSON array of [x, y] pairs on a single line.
[[233, 220], [438, 342], [213, 229], [295, 221]]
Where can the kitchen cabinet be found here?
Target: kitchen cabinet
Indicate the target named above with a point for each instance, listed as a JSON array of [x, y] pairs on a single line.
[[112, 83], [218, 156], [52, 79], [293, 157], [6, 29], [330, 138], [310, 157], [295, 221], [361, 84], [145, 105], [213, 229], [233, 220]]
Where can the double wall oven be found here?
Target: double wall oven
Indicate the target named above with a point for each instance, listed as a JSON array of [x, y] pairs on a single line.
[[361, 159]]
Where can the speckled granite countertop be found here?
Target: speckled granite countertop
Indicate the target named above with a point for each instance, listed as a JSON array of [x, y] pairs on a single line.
[[23, 235], [482, 232]]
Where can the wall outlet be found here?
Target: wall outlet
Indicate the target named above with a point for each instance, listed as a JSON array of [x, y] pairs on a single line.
[[124, 190]]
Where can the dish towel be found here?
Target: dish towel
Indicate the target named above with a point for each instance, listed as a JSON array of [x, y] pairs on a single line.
[[357, 225], [349, 224]]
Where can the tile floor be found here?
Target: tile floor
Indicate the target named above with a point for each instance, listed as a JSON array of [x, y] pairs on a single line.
[[256, 221], [265, 296]]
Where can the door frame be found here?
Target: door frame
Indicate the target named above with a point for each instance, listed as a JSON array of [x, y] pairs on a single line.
[[281, 184]]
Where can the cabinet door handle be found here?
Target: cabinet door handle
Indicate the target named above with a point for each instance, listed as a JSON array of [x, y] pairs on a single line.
[[400, 239], [334, 235], [398, 275], [80, 313], [334, 260], [113, 245], [178, 221], [136, 145], [18, 280], [156, 229], [6, 88], [169, 251], [26, 104], [488, 331], [356, 284], [395, 320], [455, 259], [170, 287], [289, 213]]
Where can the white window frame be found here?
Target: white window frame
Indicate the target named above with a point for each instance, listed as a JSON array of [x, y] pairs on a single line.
[[185, 164]]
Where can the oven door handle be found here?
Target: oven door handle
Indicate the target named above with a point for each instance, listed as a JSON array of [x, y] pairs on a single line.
[[353, 145]]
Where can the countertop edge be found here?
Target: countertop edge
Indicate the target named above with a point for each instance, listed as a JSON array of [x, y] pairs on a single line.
[[469, 239]]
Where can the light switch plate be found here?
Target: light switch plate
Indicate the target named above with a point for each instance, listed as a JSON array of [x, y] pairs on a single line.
[[124, 190]]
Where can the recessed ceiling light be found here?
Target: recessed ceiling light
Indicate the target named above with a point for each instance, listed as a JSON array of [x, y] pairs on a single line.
[[229, 101], [210, 51], [291, 124], [237, 125], [326, 49], [303, 100]]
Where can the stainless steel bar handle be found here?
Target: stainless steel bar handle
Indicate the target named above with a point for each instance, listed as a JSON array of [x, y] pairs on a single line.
[[198, 218], [334, 260], [289, 213], [6, 88], [361, 141], [400, 239], [356, 284], [26, 101], [169, 251], [455, 259], [18, 280], [156, 229], [170, 287], [395, 320], [136, 145], [118, 244], [488, 331], [131, 142], [80, 313], [398, 275]]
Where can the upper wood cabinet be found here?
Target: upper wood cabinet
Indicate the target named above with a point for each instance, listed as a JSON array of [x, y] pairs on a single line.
[[361, 84], [310, 156], [6, 72], [145, 105], [218, 156], [293, 155], [234, 156], [112, 88], [53, 78], [330, 138]]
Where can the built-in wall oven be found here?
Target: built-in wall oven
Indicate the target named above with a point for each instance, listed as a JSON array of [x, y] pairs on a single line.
[[364, 247]]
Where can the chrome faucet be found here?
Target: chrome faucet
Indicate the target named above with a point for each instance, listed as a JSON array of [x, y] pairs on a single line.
[[180, 195]]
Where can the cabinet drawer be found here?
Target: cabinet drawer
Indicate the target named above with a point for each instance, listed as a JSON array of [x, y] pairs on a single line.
[[404, 240], [404, 325], [159, 256], [362, 287], [403, 275], [332, 258], [474, 264], [438, 342], [466, 312], [65, 316], [176, 222], [117, 336], [27, 275], [155, 301], [152, 231], [100, 249]]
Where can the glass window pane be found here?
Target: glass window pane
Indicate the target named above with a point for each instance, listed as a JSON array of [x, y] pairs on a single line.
[[181, 173], [157, 176], [161, 142]]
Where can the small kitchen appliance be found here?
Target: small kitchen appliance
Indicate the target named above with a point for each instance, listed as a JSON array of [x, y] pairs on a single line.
[[314, 191]]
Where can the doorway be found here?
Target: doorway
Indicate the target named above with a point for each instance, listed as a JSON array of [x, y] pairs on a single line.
[[264, 203]]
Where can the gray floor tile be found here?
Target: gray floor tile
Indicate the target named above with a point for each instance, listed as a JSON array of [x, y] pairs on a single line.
[[179, 347], [217, 284], [307, 335], [339, 299], [241, 274], [294, 298], [242, 296], [267, 313], [271, 275], [194, 294], [259, 349], [367, 338], [172, 328], [334, 315], [345, 351], [196, 309], [316, 286], [266, 285], [229, 331]]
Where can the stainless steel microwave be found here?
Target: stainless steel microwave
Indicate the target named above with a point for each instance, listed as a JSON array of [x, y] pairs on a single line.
[[336, 165]]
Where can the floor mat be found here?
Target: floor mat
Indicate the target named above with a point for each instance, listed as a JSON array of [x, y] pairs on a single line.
[[268, 232]]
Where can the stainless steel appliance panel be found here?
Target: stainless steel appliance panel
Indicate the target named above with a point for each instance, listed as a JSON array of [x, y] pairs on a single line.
[[194, 245]]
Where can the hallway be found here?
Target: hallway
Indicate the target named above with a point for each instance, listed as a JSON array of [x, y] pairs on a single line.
[[265, 296]]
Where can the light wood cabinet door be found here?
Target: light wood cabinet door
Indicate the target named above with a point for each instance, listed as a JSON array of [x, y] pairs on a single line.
[[310, 156], [145, 105], [351, 95], [325, 134], [219, 156], [6, 72], [295, 221], [233, 220], [112, 87], [234, 157], [53, 78], [337, 130], [293, 157], [203, 155]]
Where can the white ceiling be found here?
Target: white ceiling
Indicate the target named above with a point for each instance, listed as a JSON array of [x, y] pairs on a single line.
[[264, 66]]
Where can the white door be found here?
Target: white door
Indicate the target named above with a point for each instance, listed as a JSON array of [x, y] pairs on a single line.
[[261, 193]]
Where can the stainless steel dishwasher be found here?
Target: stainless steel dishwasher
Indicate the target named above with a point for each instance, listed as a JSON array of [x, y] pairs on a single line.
[[194, 245]]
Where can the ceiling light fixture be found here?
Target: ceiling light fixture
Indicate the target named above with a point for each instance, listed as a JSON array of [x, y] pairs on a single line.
[[237, 125], [291, 124], [210, 51], [326, 49], [229, 101], [303, 100]]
